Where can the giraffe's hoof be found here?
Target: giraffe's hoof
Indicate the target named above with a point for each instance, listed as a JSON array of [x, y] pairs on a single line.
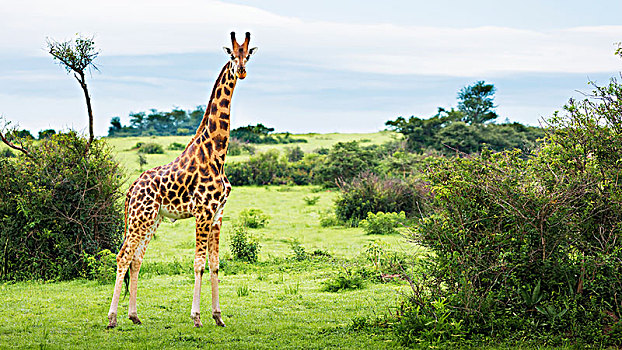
[[135, 319], [197, 320], [112, 321], [218, 319]]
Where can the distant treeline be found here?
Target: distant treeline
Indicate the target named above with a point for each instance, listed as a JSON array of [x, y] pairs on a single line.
[[179, 122]]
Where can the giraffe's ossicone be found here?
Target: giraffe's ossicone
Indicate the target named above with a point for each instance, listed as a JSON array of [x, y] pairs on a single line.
[[194, 184]]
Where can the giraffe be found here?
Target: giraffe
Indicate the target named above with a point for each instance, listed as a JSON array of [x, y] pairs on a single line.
[[194, 184]]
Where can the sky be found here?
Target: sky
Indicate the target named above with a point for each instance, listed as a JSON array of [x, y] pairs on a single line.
[[322, 66]]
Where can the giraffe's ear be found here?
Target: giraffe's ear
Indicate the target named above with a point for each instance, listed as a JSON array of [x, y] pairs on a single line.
[[228, 51], [252, 51]]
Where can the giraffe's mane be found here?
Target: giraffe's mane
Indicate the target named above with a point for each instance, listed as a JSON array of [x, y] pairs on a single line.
[[205, 119]]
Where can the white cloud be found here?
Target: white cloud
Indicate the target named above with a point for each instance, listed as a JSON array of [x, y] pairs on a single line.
[[161, 26]]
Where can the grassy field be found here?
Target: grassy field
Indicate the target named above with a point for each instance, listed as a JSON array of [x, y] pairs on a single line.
[[129, 157], [275, 303]]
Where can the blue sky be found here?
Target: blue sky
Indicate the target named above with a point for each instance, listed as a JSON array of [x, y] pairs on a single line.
[[325, 66]]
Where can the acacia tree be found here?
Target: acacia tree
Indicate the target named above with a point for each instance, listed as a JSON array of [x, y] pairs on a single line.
[[77, 56]]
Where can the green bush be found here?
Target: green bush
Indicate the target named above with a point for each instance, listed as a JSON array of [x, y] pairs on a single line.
[[299, 252], [59, 208], [294, 154], [244, 246], [370, 193], [311, 200], [253, 218], [345, 161], [151, 148], [101, 266], [328, 218], [528, 247], [176, 146], [6, 153], [265, 168], [382, 223], [345, 280]]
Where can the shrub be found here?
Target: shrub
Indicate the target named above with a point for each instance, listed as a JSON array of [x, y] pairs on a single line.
[[346, 280], [294, 154], [527, 247], [381, 223], [370, 193], [6, 153], [253, 218], [265, 168], [59, 208], [101, 266], [387, 265], [345, 161], [243, 246], [151, 148], [237, 147], [328, 219], [311, 200], [176, 146], [300, 254], [138, 145]]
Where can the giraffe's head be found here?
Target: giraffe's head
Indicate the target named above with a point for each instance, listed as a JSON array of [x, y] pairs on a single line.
[[240, 54]]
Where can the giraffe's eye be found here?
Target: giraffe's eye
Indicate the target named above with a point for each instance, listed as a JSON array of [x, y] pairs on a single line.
[[232, 57], [248, 57]]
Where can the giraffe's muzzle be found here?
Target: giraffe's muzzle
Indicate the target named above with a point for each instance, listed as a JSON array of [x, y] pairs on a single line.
[[241, 73]]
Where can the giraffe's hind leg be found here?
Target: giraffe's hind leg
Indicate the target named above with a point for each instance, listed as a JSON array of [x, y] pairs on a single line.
[[123, 263], [135, 268], [138, 235]]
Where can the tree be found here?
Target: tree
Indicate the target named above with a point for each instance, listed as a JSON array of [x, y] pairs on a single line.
[[476, 103], [77, 57], [47, 133]]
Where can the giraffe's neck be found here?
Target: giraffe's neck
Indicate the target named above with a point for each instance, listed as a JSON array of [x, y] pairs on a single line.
[[213, 132]]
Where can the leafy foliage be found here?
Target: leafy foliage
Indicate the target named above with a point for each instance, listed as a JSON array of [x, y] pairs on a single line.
[[176, 146], [253, 218], [369, 193], [261, 169], [160, 123], [243, 245], [475, 103], [447, 135], [58, 209], [47, 133], [345, 280], [344, 161], [382, 223], [261, 134], [237, 147], [529, 246], [151, 148], [464, 129]]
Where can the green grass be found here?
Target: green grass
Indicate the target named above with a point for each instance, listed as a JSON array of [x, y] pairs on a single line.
[[275, 303]]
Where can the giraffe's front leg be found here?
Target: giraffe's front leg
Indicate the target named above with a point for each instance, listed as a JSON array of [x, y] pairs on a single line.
[[202, 234], [214, 239]]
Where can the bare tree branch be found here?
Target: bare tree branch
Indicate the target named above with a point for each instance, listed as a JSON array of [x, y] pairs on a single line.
[[4, 131]]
